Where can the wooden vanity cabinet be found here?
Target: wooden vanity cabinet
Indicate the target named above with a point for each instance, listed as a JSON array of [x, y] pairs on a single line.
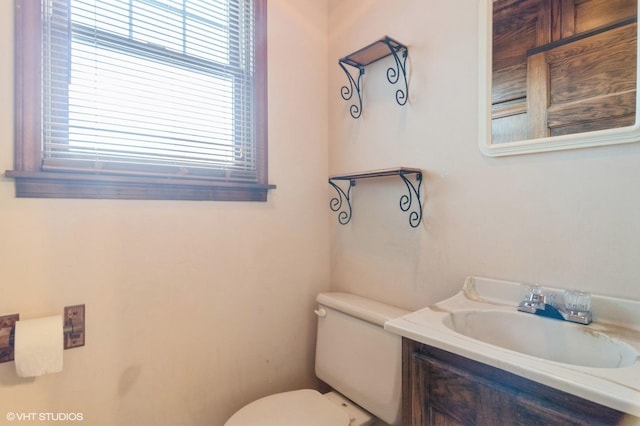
[[441, 388]]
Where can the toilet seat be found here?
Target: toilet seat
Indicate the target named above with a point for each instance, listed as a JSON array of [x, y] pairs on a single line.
[[301, 407]]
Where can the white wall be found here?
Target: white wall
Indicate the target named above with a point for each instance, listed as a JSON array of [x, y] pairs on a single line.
[[567, 219], [193, 308]]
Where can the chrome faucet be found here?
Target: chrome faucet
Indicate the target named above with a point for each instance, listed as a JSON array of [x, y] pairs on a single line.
[[576, 306]]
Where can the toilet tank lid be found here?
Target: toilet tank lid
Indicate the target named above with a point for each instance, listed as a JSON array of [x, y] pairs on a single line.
[[360, 307]]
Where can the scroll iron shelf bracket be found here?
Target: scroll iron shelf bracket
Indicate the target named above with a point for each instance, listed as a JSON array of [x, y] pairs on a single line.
[[367, 55], [342, 202], [406, 200]]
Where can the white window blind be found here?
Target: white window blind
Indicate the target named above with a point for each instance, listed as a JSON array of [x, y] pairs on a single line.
[[149, 87]]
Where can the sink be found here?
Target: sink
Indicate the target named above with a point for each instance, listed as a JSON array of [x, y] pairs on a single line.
[[550, 339], [599, 362]]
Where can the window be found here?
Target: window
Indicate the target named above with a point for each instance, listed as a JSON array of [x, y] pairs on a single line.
[[146, 99]]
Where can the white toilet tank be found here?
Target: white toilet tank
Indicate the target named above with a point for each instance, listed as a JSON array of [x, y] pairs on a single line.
[[356, 356]]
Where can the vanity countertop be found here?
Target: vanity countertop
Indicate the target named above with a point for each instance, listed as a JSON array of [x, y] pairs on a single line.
[[618, 388]]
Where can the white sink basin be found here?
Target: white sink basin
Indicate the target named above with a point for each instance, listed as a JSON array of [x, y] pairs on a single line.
[[599, 362], [546, 338]]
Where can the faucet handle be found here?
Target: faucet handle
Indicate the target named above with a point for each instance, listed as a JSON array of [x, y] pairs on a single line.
[[533, 297], [551, 299], [534, 293], [577, 301]]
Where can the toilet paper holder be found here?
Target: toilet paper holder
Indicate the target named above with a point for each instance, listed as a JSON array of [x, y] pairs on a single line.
[[74, 328]]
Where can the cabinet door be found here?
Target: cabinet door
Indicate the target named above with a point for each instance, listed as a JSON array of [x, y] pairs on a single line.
[[453, 396], [441, 388]]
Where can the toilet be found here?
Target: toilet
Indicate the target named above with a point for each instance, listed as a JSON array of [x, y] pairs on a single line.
[[356, 357]]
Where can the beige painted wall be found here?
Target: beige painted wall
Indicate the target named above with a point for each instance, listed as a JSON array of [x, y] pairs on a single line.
[[193, 308], [568, 219], [196, 308]]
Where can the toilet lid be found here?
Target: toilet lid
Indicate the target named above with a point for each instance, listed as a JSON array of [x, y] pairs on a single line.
[[302, 407]]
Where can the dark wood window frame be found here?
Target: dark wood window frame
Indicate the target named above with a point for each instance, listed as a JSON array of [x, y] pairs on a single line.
[[31, 181]]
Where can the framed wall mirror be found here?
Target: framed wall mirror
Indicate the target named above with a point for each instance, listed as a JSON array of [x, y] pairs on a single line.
[[557, 74]]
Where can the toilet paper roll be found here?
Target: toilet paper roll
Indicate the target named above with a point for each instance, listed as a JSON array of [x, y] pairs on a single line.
[[38, 346]]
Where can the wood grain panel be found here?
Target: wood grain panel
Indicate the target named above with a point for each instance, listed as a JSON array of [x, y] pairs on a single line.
[[514, 32], [594, 66], [509, 83], [510, 128], [446, 389], [601, 108], [538, 88], [590, 14]]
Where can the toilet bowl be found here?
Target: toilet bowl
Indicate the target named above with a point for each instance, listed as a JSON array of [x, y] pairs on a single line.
[[305, 407], [356, 357]]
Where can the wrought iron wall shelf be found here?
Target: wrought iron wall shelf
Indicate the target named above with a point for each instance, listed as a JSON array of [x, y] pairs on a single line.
[[342, 203], [367, 55]]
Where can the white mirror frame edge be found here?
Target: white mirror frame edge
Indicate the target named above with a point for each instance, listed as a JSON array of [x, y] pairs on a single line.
[[620, 135]]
